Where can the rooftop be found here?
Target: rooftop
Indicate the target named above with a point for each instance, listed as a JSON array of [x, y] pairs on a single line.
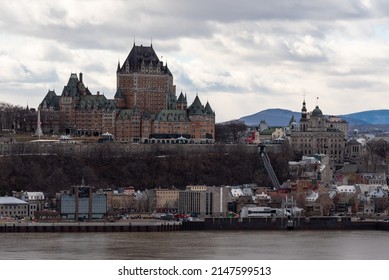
[[11, 200]]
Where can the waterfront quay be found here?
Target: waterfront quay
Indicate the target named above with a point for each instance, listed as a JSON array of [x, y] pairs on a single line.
[[298, 223], [136, 226]]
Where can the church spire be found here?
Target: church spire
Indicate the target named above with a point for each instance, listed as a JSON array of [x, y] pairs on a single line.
[[304, 119], [304, 111]]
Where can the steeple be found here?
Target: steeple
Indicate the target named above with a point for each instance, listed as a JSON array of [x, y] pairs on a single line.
[[304, 111], [304, 119]]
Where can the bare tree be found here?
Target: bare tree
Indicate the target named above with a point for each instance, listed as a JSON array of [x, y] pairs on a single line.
[[376, 153], [13, 118], [231, 132]]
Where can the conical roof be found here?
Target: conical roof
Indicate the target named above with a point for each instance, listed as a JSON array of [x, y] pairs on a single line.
[[181, 98], [119, 93], [196, 108], [208, 109]]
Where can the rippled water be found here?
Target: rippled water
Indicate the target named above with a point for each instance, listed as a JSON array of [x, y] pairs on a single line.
[[242, 245]]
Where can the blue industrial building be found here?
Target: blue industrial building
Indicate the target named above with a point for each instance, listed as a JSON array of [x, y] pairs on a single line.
[[81, 204]]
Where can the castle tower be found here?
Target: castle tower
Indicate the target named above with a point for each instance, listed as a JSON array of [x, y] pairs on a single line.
[[145, 82]]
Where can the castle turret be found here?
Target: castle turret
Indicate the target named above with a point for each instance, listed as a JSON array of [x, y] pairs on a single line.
[[182, 104]]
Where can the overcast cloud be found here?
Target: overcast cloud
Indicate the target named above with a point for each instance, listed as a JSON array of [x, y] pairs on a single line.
[[241, 56]]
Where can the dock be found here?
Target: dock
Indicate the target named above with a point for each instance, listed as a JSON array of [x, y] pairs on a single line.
[[303, 223]]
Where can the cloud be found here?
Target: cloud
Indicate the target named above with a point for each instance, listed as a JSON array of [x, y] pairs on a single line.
[[242, 56]]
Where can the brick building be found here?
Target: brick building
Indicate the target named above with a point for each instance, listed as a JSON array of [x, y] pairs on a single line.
[[145, 106]]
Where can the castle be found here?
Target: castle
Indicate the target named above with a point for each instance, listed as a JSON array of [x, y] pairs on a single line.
[[145, 107]]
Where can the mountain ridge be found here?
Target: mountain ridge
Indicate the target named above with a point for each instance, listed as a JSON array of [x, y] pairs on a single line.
[[282, 117]]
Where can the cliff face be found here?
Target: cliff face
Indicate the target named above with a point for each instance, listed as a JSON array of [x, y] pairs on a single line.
[[54, 173], [224, 165]]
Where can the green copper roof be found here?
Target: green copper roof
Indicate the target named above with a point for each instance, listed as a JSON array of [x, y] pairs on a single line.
[[127, 113], [181, 98], [142, 55], [196, 108], [75, 88], [317, 112], [172, 115], [96, 102], [51, 100], [119, 93], [208, 109]]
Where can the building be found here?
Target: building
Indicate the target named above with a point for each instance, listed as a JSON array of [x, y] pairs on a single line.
[[373, 178], [163, 200], [36, 201], [318, 135], [203, 201], [80, 203], [122, 199], [354, 151], [13, 207], [315, 167], [272, 134], [144, 106]]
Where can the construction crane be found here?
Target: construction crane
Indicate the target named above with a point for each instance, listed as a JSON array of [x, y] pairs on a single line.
[[269, 167]]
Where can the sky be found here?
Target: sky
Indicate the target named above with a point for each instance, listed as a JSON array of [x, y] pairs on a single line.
[[240, 56]]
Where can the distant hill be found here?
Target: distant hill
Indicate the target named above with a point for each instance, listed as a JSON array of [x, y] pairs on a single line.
[[281, 117], [370, 117], [273, 117]]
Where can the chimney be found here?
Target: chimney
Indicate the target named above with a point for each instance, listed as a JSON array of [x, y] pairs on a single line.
[[81, 77]]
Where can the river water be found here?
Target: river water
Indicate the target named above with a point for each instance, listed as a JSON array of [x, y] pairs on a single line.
[[197, 245]]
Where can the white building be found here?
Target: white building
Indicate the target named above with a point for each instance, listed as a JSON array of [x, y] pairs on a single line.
[[35, 200], [13, 207]]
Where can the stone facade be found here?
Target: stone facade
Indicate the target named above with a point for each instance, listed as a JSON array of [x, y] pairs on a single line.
[[13, 207], [145, 106], [315, 135], [163, 200]]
